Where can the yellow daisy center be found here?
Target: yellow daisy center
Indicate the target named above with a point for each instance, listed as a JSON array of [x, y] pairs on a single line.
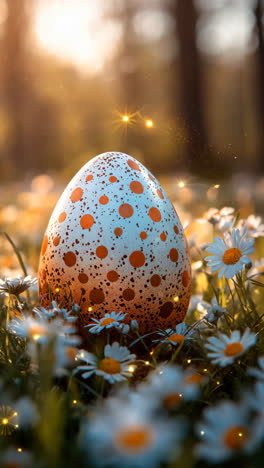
[[134, 439], [233, 349], [194, 379], [172, 400], [235, 437], [107, 321], [176, 338], [110, 366], [71, 352], [231, 256], [36, 331]]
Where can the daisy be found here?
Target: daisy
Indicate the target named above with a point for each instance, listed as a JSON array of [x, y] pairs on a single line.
[[258, 373], [109, 320], [41, 330], [224, 218], [55, 311], [256, 398], [214, 311], [171, 385], [175, 336], [253, 224], [229, 254], [226, 430], [122, 433], [16, 286], [113, 367], [224, 349]]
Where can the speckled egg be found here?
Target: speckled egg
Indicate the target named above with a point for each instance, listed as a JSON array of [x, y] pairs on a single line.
[[115, 243]]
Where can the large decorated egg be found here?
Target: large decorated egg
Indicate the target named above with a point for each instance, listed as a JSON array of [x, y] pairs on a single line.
[[115, 243]]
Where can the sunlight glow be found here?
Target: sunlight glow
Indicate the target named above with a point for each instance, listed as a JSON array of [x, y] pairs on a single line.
[[75, 31], [149, 123]]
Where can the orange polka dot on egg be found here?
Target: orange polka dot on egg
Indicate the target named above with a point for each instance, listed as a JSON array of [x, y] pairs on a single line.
[[112, 276], [176, 230], [83, 278], [89, 177], [87, 221], [62, 217], [103, 200], [126, 210], [76, 195], [56, 241], [97, 296], [166, 309], [112, 179], [133, 165], [185, 278], [163, 236], [101, 251], [44, 245], [137, 259], [155, 280], [143, 235], [69, 259], [174, 255], [160, 194], [136, 187], [128, 294], [118, 232], [154, 214]]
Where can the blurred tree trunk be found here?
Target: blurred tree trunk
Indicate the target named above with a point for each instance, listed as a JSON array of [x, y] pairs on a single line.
[[16, 83], [259, 13], [187, 70], [127, 62]]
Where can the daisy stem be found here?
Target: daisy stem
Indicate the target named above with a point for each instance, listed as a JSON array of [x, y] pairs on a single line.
[[7, 320], [230, 290], [142, 340], [238, 295], [176, 352], [222, 292]]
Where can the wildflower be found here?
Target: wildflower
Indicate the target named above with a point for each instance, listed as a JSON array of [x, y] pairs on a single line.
[[130, 434], [55, 311], [176, 336], [197, 303], [214, 311], [42, 331], [109, 320], [171, 385], [113, 367], [256, 398], [16, 286], [34, 329], [229, 254], [224, 349], [253, 224], [223, 218], [226, 430], [134, 325]]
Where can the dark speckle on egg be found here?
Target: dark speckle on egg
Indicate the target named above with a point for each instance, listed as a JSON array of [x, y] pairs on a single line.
[[115, 243]]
